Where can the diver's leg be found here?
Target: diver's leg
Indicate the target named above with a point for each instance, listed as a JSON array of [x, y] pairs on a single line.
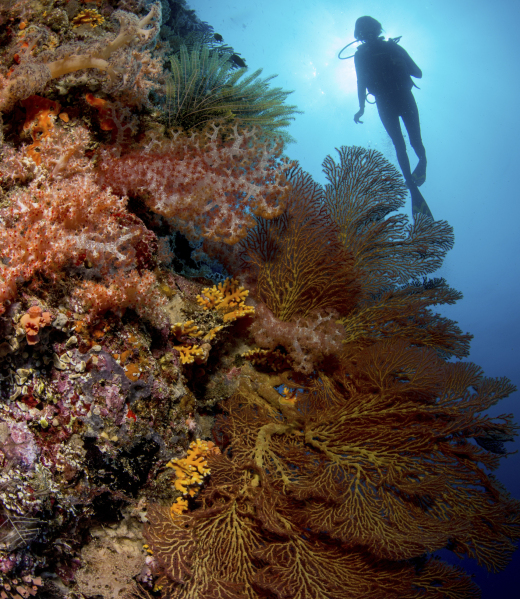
[[410, 116], [389, 114]]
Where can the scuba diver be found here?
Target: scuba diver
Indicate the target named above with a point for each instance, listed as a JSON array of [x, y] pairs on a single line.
[[385, 69]]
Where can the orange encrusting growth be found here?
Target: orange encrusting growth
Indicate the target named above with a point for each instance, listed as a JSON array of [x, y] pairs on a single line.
[[32, 321], [105, 109], [88, 16], [39, 121]]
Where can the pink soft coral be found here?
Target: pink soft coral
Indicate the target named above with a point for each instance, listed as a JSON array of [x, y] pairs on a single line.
[[65, 219], [211, 182], [121, 291], [61, 223]]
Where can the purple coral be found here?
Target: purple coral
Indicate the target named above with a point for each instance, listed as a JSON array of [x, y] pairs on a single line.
[[18, 442]]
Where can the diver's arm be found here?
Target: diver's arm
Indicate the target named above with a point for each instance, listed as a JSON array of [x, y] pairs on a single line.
[[411, 67], [362, 93], [361, 97], [415, 71]]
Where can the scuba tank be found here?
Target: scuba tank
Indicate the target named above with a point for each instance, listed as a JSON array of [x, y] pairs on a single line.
[[390, 39], [394, 40]]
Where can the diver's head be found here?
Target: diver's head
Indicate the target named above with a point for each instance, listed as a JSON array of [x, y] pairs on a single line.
[[367, 28]]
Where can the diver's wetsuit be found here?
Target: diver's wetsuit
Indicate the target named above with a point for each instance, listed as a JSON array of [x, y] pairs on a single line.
[[385, 69]]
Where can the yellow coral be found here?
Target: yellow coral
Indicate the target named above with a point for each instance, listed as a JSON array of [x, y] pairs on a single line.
[[242, 311], [212, 333], [192, 469], [186, 328], [179, 507], [88, 16], [189, 353], [227, 297]]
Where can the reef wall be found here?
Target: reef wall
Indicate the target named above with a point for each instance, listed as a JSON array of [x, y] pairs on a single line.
[[218, 378]]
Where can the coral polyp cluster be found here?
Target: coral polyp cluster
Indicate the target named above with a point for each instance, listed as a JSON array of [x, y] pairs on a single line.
[[219, 378]]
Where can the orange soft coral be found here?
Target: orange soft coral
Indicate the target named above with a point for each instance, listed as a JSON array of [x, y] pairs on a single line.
[[32, 321], [121, 291], [39, 120]]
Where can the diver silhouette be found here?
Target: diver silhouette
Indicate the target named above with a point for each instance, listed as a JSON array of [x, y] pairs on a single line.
[[385, 69]]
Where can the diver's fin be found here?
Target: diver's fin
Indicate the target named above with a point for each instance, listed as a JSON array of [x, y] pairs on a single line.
[[419, 174], [419, 205], [418, 179]]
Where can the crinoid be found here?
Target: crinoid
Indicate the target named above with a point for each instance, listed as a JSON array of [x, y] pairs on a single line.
[[203, 87]]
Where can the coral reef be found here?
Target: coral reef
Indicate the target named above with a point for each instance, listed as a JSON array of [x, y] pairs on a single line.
[[219, 379]]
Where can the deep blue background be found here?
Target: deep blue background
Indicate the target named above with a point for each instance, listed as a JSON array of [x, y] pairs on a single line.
[[469, 52]]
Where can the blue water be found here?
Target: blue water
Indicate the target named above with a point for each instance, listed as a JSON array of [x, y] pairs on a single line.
[[469, 52]]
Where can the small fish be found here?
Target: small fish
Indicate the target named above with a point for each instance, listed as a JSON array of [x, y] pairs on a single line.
[[218, 37], [239, 62]]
